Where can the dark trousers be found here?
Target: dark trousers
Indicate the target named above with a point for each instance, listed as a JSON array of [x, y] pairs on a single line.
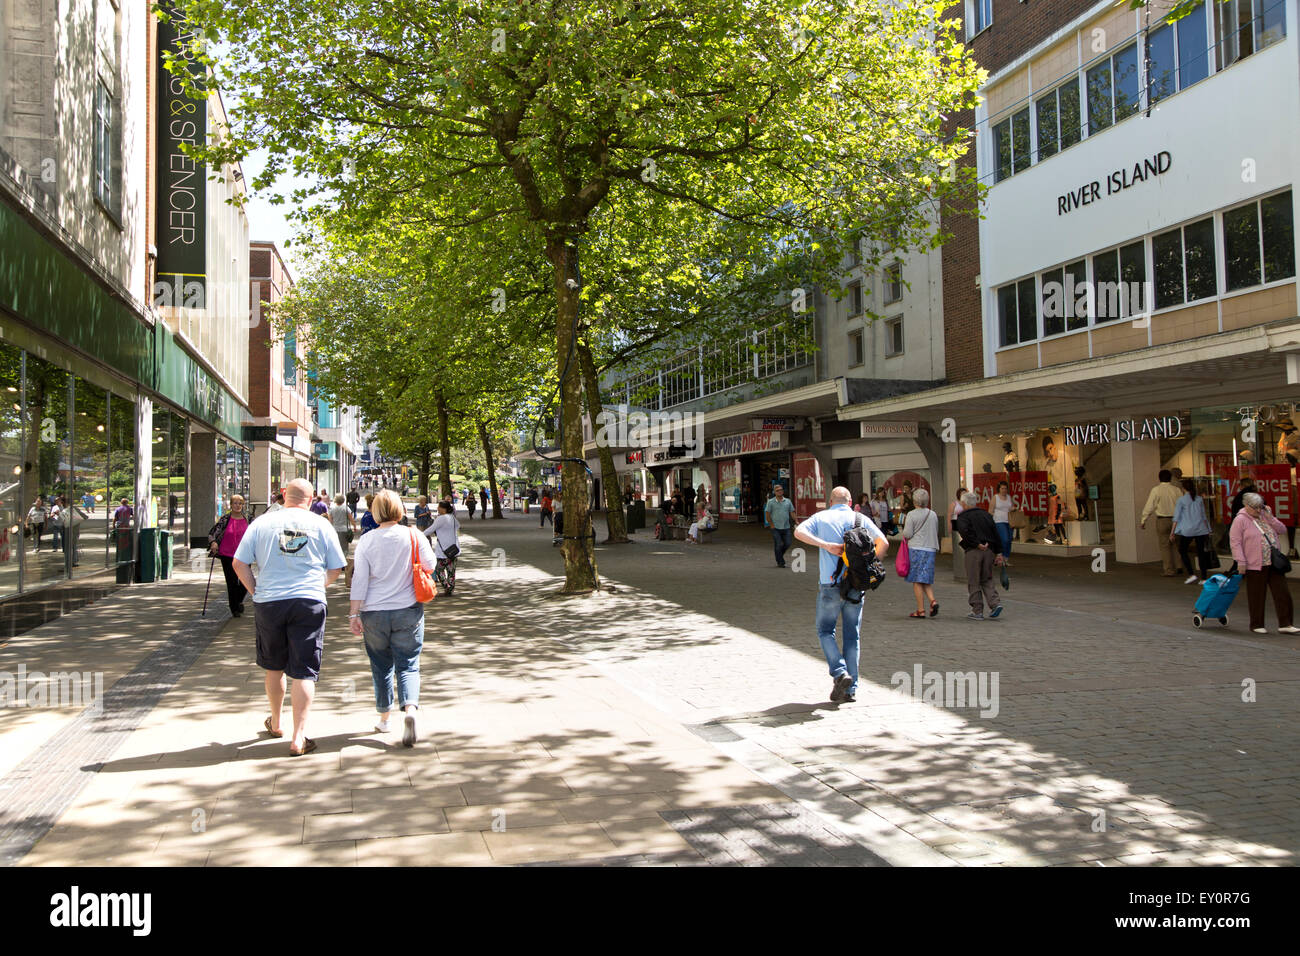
[[546, 516], [1202, 544], [781, 541], [979, 579], [1257, 583], [235, 590]]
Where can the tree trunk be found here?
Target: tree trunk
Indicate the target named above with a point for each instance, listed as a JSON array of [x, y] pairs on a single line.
[[426, 458], [444, 445], [579, 561], [491, 468], [614, 522]]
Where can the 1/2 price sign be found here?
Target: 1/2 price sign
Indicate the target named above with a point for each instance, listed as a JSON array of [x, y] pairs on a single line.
[[1272, 482]]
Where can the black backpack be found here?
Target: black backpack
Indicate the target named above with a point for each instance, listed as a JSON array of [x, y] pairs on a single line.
[[859, 570]]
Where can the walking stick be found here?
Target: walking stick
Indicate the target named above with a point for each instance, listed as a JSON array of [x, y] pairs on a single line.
[[211, 565]]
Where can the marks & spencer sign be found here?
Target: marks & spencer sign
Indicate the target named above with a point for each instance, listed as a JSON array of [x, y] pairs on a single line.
[[1115, 182], [182, 183]]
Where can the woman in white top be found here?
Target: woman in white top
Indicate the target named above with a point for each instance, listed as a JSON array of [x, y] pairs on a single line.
[[921, 530], [344, 524], [385, 611], [444, 534], [703, 521], [1002, 505], [36, 520]]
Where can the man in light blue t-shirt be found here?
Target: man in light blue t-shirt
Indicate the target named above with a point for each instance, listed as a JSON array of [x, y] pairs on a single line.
[[825, 530], [297, 555], [778, 515]]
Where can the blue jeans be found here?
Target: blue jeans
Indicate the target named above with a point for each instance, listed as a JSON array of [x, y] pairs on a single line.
[[830, 607], [782, 539], [1004, 532], [393, 643]]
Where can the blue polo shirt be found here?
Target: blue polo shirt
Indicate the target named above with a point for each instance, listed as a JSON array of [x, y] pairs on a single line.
[[830, 525]]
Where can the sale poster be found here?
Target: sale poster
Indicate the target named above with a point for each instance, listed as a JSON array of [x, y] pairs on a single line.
[[1028, 490], [1272, 482], [729, 486], [809, 486]]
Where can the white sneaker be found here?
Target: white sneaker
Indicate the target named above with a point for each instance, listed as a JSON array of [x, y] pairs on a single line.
[[382, 726], [1260, 630], [1191, 579], [1288, 630]]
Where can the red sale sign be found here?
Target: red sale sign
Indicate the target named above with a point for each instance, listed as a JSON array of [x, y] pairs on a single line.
[[1028, 490], [809, 488], [1272, 482]]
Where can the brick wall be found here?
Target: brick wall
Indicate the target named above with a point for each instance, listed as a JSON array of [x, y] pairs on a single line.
[[1015, 29]]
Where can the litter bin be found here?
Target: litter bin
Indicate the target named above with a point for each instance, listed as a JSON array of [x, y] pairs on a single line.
[[148, 572], [636, 516], [125, 564], [165, 539]]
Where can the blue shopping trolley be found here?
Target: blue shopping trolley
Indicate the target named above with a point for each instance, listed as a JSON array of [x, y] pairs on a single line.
[[1217, 595]]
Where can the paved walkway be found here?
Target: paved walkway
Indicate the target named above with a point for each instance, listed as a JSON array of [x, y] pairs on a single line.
[[680, 717]]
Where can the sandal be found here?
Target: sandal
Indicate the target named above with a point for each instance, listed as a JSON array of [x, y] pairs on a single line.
[[934, 608], [308, 745], [273, 733], [916, 614]]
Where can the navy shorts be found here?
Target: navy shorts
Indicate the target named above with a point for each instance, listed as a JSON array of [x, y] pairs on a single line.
[[291, 637]]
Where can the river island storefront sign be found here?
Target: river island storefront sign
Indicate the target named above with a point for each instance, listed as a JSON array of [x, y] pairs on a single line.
[[1115, 182], [1133, 429]]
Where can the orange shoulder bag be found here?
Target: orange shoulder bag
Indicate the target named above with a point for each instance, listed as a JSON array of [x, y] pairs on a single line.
[[422, 579]]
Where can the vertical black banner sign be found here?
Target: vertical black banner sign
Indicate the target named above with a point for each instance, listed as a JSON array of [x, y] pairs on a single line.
[[181, 278]]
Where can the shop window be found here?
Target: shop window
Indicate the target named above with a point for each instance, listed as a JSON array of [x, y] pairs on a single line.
[[88, 537], [856, 354], [1018, 312], [12, 512], [1259, 242], [894, 336], [1133, 273], [122, 459], [46, 464], [1011, 145], [1198, 253], [1065, 304], [1113, 89], [1058, 119]]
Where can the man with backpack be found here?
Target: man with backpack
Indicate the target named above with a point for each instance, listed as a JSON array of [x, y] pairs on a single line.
[[836, 599]]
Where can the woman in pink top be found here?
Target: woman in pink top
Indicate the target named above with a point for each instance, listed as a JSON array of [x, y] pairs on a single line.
[[223, 539], [1253, 535]]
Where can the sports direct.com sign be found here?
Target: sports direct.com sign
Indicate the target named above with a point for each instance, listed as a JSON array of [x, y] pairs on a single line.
[[747, 443]]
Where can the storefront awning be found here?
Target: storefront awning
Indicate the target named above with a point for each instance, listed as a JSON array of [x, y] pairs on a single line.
[[1244, 365]]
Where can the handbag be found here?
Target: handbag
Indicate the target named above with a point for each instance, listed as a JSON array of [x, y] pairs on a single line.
[[903, 562], [1279, 561], [422, 579], [1016, 518]]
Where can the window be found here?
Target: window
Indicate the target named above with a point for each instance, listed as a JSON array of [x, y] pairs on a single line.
[[894, 336], [1058, 119], [894, 283], [1248, 25], [1259, 242], [856, 354], [1065, 304], [855, 299], [1113, 89], [107, 167], [1179, 55], [1133, 272], [1184, 264], [979, 16], [1011, 145], [1018, 312]]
